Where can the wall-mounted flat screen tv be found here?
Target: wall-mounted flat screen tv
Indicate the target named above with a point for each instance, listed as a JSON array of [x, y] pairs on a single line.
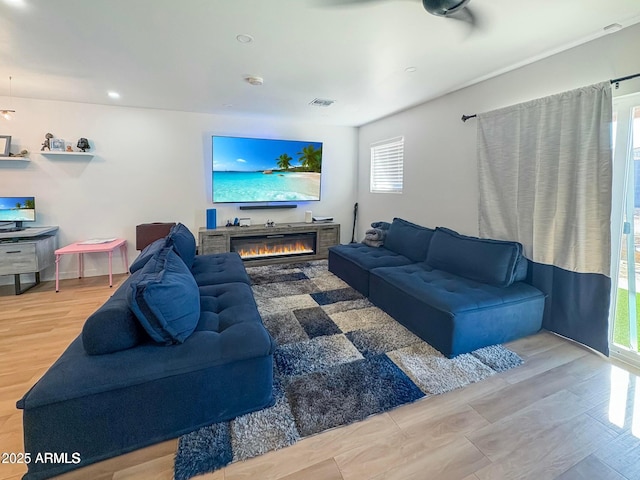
[[247, 170]]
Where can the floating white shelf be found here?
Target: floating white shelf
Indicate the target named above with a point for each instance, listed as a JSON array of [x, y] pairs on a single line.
[[67, 154], [14, 159]]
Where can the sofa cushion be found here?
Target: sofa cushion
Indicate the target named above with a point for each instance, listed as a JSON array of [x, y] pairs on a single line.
[[208, 322], [451, 293], [368, 257], [219, 268], [183, 242], [232, 303], [480, 259], [408, 239], [353, 262], [165, 299], [146, 254]]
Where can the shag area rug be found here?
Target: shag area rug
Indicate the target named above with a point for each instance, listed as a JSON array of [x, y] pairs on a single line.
[[339, 360]]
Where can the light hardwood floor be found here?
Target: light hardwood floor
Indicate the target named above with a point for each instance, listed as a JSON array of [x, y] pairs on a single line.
[[566, 414]]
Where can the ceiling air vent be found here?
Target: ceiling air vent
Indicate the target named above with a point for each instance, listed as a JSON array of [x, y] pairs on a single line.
[[321, 102]]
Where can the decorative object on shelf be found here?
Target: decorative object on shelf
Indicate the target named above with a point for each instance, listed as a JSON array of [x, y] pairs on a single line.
[[56, 145], [308, 216], [6, 113], [211, 218], [23, 153], [83, 144], [47, 142], [245, 222], [270, 223], [69, 149], [5, 145]]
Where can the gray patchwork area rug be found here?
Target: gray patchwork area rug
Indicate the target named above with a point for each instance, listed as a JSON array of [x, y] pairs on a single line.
[[339, 360]]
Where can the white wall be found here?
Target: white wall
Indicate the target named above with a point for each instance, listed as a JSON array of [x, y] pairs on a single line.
[[440, 172], [154, 165], [150, 166]]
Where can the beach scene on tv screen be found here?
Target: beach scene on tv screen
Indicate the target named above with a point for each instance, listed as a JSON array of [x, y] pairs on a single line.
[[265, 170], [15, 209]]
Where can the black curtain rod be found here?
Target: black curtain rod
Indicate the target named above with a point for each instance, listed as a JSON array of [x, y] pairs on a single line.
[[622, 79], [615, 80]]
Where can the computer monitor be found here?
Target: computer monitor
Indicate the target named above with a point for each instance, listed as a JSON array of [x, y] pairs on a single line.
[[17, 210]]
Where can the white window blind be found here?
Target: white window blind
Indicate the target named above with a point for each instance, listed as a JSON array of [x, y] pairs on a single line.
[[387, 159]]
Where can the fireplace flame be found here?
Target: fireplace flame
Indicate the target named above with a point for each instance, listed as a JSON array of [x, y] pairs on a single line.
[[295, 248]]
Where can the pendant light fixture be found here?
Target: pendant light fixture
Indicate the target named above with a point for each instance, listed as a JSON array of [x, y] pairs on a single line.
[[7, 113]]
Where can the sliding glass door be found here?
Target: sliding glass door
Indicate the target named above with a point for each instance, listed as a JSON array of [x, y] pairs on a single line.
[[625, 305]]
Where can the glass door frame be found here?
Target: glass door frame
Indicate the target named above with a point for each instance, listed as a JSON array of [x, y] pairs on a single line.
[[623, 180]]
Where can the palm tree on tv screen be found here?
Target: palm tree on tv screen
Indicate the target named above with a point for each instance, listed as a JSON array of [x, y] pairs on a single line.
[[284, 161], [310, 158], [29, 204]]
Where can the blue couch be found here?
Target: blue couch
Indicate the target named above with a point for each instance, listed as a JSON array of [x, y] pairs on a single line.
[[178, 346], [458, 293]]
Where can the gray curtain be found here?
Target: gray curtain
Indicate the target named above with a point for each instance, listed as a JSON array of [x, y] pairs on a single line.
[[545, 173]]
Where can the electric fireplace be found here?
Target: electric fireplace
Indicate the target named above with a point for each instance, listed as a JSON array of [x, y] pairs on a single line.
[[274, 246]]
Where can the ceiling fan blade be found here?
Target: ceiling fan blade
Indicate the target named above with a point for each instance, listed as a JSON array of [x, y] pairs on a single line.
[[465, 15], [456, 9], [443, 8]]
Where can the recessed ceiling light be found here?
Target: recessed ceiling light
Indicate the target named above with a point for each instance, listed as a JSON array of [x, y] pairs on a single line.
[[410, 69], [244, 38], [113, 95]]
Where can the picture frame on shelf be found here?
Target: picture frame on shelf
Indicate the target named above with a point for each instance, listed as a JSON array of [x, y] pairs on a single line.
[[5, 145], [57, 145]]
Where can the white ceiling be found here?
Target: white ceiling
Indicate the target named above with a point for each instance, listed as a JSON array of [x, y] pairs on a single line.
[[183, 54]]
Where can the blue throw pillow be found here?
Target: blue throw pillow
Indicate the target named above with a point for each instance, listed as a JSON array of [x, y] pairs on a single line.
[[484, 260], [408, 239], [184, 243], [166, 299], [522, 268], [146, 254]]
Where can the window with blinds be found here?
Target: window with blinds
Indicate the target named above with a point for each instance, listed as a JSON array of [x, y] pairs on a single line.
[[387, 159]]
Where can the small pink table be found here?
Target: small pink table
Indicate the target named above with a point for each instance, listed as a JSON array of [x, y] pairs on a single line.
[[81, 249]]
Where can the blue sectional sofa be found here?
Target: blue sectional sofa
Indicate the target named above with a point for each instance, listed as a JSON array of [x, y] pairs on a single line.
[[178, 346], [458, 293]]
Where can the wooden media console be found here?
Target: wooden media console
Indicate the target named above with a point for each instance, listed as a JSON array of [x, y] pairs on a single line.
[[260, 245]]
